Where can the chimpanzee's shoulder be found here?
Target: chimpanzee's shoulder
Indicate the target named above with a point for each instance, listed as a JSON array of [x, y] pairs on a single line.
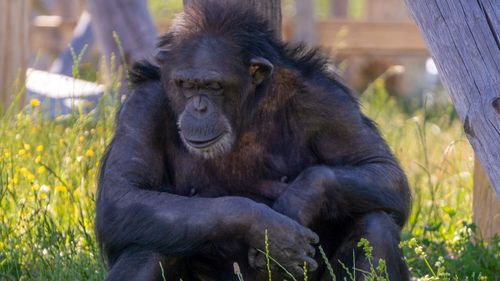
[[146, 100], [144, 71], [318, 73]]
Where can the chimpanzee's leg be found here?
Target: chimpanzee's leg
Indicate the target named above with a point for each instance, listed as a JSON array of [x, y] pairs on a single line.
[[383, 234], [144, 265]]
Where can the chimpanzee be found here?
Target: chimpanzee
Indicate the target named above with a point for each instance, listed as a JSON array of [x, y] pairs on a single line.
[[230, 134]]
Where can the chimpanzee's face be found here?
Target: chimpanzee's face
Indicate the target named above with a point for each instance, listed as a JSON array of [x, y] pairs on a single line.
[[208, 84]]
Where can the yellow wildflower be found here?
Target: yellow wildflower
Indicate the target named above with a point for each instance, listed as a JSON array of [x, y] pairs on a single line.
[[6, 154], [89, 153], [27, 146], [420, 251], [36, 186], [30, 177], [39, 148], [24, 171], [82, 138], [34, 102], [21, 152], [38, 159], [43, 195], [61, 188], [61, 141], [41, 170]]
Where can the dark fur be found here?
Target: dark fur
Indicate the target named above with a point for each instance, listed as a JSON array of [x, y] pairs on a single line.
[[303, 148]]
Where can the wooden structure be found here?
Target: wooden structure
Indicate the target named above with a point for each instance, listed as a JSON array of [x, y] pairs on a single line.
[[350, 38], [125, 30], [386, 30], [338, 9], [50, 34], [463, 38], [385, 36], [13, 47], [51, 31]]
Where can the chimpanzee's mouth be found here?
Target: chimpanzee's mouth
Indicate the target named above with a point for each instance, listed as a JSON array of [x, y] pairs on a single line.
[[200, 144]]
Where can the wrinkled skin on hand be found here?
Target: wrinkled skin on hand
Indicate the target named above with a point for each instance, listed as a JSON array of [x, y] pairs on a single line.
[[290, 243], [302, 201], [305, 198]]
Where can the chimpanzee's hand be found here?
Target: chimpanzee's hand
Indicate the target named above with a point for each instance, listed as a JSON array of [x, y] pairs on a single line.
[[290, 244], [305, 197]]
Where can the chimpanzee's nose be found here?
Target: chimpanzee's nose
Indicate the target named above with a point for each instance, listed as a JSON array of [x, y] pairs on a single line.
[[200, 104]]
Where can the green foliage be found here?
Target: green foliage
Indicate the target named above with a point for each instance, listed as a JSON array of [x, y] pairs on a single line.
[[465, 257], [164, 10]]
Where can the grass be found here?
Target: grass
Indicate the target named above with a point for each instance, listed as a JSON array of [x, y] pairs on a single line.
[[48, 174]]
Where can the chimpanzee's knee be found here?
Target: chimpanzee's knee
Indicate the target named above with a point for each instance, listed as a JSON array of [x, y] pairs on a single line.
[[383, 234], [142, 265]]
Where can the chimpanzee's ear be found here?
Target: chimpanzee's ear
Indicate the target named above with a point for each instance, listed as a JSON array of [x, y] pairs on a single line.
[[163, 47], [160, 55], [260, 69]]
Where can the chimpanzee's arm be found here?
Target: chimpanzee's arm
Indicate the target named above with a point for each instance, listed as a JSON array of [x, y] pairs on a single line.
[[133, 209], [371, 180], [358, 174]]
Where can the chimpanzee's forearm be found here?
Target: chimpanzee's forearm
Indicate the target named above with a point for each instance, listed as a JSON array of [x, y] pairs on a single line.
[[367, 188], [168, 223]]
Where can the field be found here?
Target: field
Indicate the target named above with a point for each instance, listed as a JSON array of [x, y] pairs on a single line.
[[48, 172]]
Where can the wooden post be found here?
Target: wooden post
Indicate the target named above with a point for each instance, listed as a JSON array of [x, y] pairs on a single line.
[[339, 9], [269, 9], [69, 11], [132, 23], [14, 28], [463, 38], [304, 29], [386, 10], [485, 206]]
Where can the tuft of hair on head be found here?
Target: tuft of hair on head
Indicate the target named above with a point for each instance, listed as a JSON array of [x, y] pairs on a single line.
[[239, 24]]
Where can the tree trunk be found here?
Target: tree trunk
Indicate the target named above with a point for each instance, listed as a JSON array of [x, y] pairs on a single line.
[[485, 206], [339, 9], [131, 21], [269, 9], [14, 27], [304, 22], [463, 38]]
